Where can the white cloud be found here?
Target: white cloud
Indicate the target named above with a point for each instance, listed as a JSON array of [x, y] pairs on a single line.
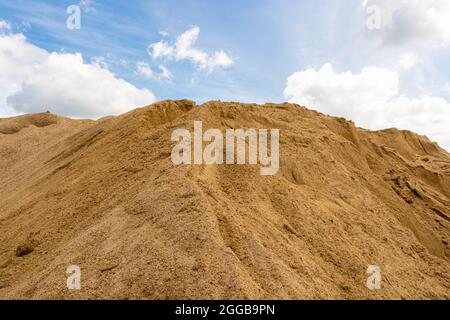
[[4, 25], [408, 60], [164, 33], [371, 98], [145, 70], [183, 49], [414, 22], [160, 49], [345, 94], [33, 79], [165, 73], [100, 61], [87, 5]]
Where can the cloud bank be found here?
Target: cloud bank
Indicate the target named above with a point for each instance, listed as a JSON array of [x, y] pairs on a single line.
[[34, 80], [372, 99], [413, 22]]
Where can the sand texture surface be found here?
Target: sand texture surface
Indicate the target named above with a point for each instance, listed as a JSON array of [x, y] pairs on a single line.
[[105, 195]]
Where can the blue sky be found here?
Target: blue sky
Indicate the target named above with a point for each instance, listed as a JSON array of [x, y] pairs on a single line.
[[272, 44], [268, 40], [123, 31]]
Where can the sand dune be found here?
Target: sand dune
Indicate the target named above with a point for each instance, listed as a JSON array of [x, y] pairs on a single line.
[[104, 195]]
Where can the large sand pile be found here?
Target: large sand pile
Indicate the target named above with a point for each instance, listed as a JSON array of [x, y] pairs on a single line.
[[105, 195]]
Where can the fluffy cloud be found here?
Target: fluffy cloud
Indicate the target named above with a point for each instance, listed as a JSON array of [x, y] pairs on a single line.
[[165, 73], [371, 98], [33, 79], [4, 25], [413, 22], [145, 70], [408, 60], [183, 49]]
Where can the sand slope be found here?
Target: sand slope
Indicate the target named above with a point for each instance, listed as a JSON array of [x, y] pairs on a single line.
[[105, 195]]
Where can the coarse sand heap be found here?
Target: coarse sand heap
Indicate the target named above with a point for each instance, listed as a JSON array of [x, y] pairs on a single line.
[[105, 195]]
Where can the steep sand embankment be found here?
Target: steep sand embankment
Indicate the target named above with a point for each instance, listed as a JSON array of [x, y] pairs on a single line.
[[105, 195]]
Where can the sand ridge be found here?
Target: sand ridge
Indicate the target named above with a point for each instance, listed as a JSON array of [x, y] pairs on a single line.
[[104, 195]]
